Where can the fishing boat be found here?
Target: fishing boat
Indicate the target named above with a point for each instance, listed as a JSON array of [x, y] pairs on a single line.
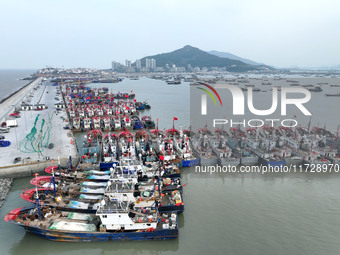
[[202, 150], [136, 123], [106, 124], [226, 157], [333, 95], [113, 221], [87, 124], [90, 151], [166, 152], [183, 148], [237, 143], [264, 148], [173, 82], [148, 122], [110, 151], [316, 89], [126, 145], [116, 123], [126, 123], [144, 147], [171, 201], [76, 126], [96, 122]]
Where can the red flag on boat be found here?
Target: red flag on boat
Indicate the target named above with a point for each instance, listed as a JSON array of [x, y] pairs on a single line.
[[175, 118]]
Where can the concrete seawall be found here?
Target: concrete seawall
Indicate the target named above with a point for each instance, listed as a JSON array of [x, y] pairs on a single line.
[[14, 100], [26, 170]]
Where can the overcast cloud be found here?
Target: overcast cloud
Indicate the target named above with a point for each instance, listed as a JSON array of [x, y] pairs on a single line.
[[92, 33]]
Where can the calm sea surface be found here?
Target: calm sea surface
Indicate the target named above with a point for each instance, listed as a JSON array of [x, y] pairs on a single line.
[[224, 213], [9, 81]]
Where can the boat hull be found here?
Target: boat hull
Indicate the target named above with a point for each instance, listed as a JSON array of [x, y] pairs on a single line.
[[171, 208], [190, 162], [107, 165], [249, 161], [273, 163], [228, 162], [67, 236], [208, 161]]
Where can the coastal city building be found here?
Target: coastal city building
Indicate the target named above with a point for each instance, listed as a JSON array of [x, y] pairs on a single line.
[[138, 64]]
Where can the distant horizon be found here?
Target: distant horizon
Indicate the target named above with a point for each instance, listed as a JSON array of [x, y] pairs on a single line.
[[292, 66], [123, 63]]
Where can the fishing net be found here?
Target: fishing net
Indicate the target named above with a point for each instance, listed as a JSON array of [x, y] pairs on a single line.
[[39, 137], [88, 190], [73, 226]]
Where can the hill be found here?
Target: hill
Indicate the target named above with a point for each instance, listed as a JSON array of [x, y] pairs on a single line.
[[232, 56], [195, 57]]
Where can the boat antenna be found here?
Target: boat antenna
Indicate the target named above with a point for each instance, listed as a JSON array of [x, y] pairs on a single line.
[[37, 202], [59, 168], [157, 128], [54, 188], [70, 159], [310, 119]]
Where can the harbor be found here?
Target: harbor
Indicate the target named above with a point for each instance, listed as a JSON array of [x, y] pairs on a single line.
[[191, 179]]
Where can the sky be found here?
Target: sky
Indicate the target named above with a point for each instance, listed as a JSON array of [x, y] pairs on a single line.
[[92, 33]]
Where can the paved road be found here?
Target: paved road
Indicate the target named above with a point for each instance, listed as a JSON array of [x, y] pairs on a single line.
[[8, 106]]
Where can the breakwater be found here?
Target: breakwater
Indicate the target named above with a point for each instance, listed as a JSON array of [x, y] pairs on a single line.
[[5, 186]]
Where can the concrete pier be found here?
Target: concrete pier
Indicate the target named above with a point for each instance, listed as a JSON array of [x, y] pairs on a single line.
[[31, 141]]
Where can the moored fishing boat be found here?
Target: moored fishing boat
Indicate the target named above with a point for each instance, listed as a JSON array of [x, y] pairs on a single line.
[[237, 143], [116, 123], [165, 149], [226, 157], [264, 148], [183, 148], [87, 124], [126, 123], [113, 221], [136, 122], [76, 126], [110, 151], [148, 122], [105, 125], [202, 149], [90, 151]]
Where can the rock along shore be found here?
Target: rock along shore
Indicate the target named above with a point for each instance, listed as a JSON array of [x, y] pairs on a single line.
[[5, 186]]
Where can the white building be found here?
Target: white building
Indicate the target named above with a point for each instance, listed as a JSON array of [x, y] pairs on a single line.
[[128, 63], [115, 66], [147, 63], [152, 63], [138, 63]]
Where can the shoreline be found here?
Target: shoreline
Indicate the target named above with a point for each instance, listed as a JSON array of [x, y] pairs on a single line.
[[15, 92]]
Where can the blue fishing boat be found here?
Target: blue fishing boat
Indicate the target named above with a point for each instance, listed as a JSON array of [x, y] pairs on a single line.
[[113, 221]]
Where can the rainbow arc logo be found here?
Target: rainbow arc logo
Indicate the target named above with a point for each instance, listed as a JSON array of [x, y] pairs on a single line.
[[209, 93]]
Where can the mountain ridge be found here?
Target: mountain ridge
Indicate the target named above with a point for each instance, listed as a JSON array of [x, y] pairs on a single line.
[[189, 55], [222, 54]]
